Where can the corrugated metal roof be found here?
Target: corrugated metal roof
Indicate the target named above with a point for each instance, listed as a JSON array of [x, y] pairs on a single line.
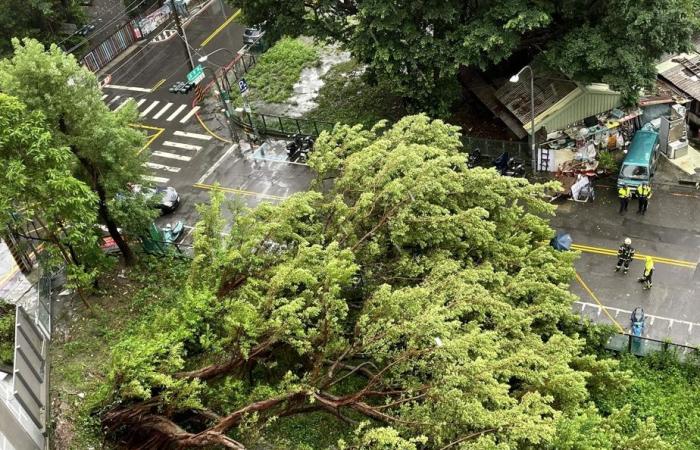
[[558, 102], [581, 103], [548, 91], [680, 76]]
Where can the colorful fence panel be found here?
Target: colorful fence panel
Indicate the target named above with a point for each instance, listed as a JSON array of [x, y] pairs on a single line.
[[110, 48]]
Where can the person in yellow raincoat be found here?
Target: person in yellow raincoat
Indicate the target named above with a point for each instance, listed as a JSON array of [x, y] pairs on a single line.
[[648, 272]]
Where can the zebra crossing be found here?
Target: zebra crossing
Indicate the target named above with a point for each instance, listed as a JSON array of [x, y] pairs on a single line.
[[170, 156], [154, 109]]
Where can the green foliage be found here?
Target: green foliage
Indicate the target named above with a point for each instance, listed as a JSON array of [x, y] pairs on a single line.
[[664, 390], [597, 51], [273, 77], [418, 47], [608, 162], [347, 97], [105, 149], [7, 334], [415, 296], [40, 19], [80, 354], [38, 180]]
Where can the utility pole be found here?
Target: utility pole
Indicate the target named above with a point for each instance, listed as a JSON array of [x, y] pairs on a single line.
[[182, 34]]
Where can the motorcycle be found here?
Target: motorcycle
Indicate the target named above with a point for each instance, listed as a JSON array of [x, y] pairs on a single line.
[[473, 158], [509, 167], [298, 150]]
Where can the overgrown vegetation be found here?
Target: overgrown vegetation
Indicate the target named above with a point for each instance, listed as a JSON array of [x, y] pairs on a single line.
[[83, 340], [348, 97], [273, 77], [665, 389], [7, 334]]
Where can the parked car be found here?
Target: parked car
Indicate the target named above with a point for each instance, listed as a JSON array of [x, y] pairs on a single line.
[[251, 35], [164, 198]]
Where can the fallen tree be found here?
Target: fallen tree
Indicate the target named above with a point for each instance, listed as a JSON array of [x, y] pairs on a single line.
[[416, 301]]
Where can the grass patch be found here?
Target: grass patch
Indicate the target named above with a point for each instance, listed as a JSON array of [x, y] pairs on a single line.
[[347, 97], [307, 432], [663, 389], [7, 335], [81, 350], [273, 77]]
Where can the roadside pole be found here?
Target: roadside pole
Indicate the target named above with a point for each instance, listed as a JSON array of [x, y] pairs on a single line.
[[182, 34], [243, 88]]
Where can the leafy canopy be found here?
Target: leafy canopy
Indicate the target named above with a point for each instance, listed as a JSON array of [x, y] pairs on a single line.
[[415, 300], [418, 47], [104, 144]]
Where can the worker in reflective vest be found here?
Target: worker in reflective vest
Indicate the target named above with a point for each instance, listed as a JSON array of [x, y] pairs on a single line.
[[624, 256], [648, 272], [644, 194], [624, 193]]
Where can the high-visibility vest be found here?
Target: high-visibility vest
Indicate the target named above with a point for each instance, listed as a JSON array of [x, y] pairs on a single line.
[[644, 191], [624, 192]]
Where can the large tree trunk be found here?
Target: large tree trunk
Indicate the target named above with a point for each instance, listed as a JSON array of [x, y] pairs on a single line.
[[99, 188], [129, 257]]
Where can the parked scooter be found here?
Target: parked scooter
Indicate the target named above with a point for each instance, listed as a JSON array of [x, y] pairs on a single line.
[[473, 158], [298, 150], [509, 167], [515, 168]]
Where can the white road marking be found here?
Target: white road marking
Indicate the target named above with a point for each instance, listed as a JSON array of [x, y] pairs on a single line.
[[140, 102], [651, 316], [161, 167], [127, 88], [217, 163], [175, 113], [162, 111], [150, 107], [183, 146], [189, 114], [171, 156], [105, 96], [122, 104], [204, 137], [116, 97], [155, 179]]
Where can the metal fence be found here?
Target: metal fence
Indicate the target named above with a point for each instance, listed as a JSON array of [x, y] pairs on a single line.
[[493, 147], [281, 126], [641, 346], [110, 48]]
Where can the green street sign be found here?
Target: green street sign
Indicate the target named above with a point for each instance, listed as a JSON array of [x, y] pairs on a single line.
[[196, 74]]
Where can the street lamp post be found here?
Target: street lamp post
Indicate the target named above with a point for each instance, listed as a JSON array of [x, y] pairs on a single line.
[[514, 79]]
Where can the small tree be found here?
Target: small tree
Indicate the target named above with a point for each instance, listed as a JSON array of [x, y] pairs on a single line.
[[103, 143], [37, 180]]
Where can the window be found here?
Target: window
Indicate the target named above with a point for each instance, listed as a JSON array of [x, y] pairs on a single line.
[[635, 172]]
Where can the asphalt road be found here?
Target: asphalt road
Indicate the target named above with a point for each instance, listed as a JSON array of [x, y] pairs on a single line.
[[190, 154], [670, 230]]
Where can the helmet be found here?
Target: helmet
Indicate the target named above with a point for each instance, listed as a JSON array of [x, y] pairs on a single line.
[[628, 241]]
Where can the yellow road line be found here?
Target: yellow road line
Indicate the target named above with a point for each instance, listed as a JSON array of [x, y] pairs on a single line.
[[221, 27], [216, 136], [158, 84], [210, 187], [151, 138], [12, 273], [640, 256], [593, 296]]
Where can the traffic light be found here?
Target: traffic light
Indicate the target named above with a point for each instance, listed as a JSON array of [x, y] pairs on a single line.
[[181, 87]]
